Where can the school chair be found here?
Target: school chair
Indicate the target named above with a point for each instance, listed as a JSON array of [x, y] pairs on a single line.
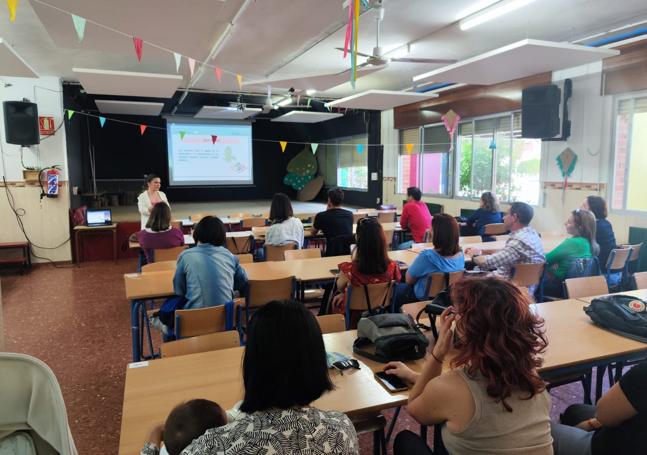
[[358, 216], [373, 424], [311, 291], [331, 323], [240, 245], [437, 282], [470, 239], [168, 254], [386, 217], [201, 343], [640, 280], [586, 286], [200, 321], [371, 297], [578, 268], [428, 235], [632, 264], [245, 258], [159, 266], [388, 235], [304, 253], [494, 229], [248, 223], [616, 266], [277, 252], [260, 292], [526, 275]]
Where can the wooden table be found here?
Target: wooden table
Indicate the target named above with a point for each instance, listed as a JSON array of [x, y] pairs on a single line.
[[548, 243], [78, 230], [24, 259], [640, 293]]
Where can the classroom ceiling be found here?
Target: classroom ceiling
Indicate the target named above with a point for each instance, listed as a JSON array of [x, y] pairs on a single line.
[[283, 39]]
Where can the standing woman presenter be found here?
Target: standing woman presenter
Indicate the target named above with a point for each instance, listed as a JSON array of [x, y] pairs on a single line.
[[151, 196]]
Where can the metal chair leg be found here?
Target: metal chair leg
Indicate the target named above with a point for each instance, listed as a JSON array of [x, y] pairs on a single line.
[[394, 419], [586, 385]]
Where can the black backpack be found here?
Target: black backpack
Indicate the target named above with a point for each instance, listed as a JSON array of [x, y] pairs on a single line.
[[621, 314], [390, 336]]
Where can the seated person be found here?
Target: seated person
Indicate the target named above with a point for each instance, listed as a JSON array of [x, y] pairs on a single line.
[[445, 256], [284, 372], [604, 235], [284, 228], [186, 422], [523, 247], [415, 217], [581, 226], [208, 274], [159, 233], [335, 221], [487, 213], [490, 399], [615, 425], [370, 265]]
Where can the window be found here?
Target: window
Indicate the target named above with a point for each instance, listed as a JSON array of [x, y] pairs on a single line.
[[327, 162], [630, 154], [427, 163], [492, 156], [342, 165], [408, 161]]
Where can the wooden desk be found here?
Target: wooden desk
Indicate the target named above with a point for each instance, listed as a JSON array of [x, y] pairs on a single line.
[[78, 230], [24, 260], [640, 293], [548, 243]]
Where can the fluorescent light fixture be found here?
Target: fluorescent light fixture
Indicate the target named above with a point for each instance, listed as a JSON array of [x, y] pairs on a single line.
[[475, 8], [496, 10], [285, 101], [310, 92]]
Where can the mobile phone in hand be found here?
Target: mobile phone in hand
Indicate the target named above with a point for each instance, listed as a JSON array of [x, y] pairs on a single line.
[[390, 382]]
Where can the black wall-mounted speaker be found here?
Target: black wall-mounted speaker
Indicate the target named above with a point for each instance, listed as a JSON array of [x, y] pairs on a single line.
[[21, 123], [540, 111]]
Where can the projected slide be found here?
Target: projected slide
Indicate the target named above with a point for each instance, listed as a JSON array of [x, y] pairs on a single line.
[[209, 153]]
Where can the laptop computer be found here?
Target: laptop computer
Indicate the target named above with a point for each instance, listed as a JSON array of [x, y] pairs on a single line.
[[101, 217]]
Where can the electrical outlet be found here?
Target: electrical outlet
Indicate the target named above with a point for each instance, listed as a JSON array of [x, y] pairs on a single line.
[[75, 190]]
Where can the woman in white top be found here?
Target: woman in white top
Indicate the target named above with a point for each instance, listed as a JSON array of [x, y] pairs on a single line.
[[285, 228], [150, 197]]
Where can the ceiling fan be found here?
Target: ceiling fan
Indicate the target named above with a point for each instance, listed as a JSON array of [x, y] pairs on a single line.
[[379, 59]]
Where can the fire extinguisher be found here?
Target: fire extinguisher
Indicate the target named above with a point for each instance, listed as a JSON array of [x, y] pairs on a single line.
[[51, 180]]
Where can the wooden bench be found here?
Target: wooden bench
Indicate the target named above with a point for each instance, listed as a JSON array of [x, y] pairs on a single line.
[[24, 260]]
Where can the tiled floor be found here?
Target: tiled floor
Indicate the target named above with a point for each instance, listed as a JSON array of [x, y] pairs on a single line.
[[76, 319]]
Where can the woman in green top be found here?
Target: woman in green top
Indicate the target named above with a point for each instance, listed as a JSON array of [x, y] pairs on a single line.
[[581, 226]]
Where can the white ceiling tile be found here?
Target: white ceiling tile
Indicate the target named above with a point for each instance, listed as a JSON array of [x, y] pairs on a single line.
[[306, 117], [226, 113], [126, 83], [12, 64], [380, 100], [129, 107]]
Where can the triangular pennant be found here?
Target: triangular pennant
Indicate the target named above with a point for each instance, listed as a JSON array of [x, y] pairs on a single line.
[[70, 113], [218, 72], [178, 59], [214, 138], [142, 128], [102, 121], [314, 148], [360, 148], [12, 5], [283, 145], [492, 145], [138, 42], [409, 148], [79, 26], [182, 133], [239, 78], [191, 65]]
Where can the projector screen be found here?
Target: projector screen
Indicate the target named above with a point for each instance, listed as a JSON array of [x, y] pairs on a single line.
[[209, 153]]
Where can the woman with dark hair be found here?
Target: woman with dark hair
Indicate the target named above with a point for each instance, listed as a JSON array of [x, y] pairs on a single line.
[[149, 197], [208, 274], [159, 233], [285, 228], [581, 245], [487, 213], [604, 231], [491, 400], [445, 256], [370, 264], [284, 371]]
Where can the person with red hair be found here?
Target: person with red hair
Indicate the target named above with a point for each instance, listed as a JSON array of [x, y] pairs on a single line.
[[491, 400]]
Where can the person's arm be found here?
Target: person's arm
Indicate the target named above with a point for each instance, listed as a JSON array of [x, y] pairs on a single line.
[[179, 280], [342, 281], [560, 252], [240, 277], [154, 441], [472, 218], [506, 256], [164, 198], [179, 236], [404, 218], [143, 204], [614, 408], [416, 270], [315, 225]]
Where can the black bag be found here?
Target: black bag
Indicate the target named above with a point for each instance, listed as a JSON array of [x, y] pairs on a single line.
[[387, 337], [621, 314]]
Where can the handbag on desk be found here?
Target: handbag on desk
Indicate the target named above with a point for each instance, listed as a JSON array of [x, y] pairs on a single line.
[[621, 314], [390, 336]]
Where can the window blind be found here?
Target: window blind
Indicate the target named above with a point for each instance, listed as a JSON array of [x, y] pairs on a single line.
[[436, 139], [410, 136]]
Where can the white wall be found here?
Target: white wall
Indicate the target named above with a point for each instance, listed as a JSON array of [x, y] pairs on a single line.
[[591, 139], [45, 220]]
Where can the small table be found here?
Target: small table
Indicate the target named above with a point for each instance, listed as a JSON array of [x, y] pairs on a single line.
[[24, 260], [78, 230]]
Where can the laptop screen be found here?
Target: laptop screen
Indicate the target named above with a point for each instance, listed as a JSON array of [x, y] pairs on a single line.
[[99, 217]]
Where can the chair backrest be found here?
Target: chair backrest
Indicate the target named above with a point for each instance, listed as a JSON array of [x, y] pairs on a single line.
[[428, 235], [435, 208], [245, 258], [248, 223], [168, 254], [305, 253], [437, 282], [340, 245], [640, 280], [470, 239], [635, 251], [331, 323], [494, 229], [239, 245], [386, 217], [32, 398], [379, 295], [259, 292], [618, 259], [277, 252], [582, 267], [527, 274], [200, 321], [202, 343], [358, 216], [177, 224], [388, 235], [586, 287], [159, 266]]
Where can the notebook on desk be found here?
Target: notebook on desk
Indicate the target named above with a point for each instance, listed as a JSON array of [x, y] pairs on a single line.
[[96, 218]]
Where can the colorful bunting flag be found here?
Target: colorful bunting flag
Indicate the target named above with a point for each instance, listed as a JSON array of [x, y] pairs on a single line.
[[138, 42], [191, 65], [182, 134], [214, 138], [102, 121], [314, 147], [409, 148], [79, 26], [492, 145], [12, 5], [239, 78], [349, 28], [178, 59], [218, 72], [70, 113], [355, 38], [360, 147], [142, 128], [283, 145]]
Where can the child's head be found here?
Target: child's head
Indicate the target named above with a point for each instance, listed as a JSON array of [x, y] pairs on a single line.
[[188, 421]]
